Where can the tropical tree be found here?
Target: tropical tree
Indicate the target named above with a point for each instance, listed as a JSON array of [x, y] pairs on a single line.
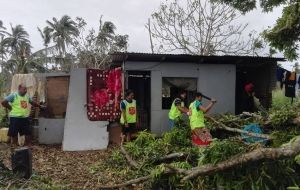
[[200, 27], [92, 50], [18, 45], [3, 49], [20, 59], [61, 32], [46, 35], [285, 34], [17, 41]]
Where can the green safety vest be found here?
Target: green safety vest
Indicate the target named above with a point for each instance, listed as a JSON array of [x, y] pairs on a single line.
[[175, 113], [130, 112], [196, 117], [20, 106]]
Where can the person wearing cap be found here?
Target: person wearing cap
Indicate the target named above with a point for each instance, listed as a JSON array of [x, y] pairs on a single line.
[[248, 98], [18, 105]]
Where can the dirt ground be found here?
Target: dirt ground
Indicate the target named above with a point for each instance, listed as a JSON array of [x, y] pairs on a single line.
[[73, 168]]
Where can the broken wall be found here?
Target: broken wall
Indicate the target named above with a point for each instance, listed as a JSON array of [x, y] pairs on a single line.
[[79, 132]]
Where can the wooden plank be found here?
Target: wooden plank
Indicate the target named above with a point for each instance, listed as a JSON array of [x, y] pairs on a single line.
[[57, 89]]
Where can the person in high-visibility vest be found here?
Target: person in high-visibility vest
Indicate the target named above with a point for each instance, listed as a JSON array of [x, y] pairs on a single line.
[[128, 116], [177, 109], [200, 134], [18, 105]]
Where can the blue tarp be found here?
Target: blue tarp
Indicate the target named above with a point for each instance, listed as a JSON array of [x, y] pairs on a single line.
[[253, 128]]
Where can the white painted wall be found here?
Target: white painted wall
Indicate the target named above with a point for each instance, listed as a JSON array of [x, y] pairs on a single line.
[[79, 132], [214, 80], [51, 131]]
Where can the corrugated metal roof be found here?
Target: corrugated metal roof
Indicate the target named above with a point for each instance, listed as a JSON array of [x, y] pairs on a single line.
[[149, 57]]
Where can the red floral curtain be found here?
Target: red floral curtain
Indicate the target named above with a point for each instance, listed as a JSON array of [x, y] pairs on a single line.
[[104, 88]]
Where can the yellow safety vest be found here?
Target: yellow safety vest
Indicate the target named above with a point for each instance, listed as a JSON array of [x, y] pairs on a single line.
[[175, 113], [130, 112], [196, 117], [20, 106]]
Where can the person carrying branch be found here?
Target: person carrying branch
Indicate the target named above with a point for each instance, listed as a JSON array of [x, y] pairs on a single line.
[[128, 116], [177, 109], [200, 134], [18, 105]]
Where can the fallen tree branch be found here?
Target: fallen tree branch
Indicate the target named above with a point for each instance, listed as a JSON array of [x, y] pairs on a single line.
[[130, 182], [131, 162], [222, 126], [291, 150], [170, 170], [171, 156], [256, 155]]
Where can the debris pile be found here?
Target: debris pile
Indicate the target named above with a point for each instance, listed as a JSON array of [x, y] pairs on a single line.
[[171, 162]]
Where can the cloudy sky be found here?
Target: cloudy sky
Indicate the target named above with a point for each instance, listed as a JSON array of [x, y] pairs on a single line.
[[129, 16]]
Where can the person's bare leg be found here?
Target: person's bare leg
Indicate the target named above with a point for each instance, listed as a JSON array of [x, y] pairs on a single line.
[[128, 137], [122, 138], [14, 141]]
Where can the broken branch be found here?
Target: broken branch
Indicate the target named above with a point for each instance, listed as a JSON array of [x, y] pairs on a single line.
[[171, 156], [258, 154], [131, 162], [222, 126], [130, 182]]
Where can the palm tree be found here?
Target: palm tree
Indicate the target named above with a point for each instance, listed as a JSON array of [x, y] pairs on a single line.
[[46, 35], [3, 50], [17, 41], [61, 31]]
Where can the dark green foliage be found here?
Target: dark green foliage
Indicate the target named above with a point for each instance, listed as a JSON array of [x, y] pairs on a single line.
[[255, 175], [284, 35], [221, 150]]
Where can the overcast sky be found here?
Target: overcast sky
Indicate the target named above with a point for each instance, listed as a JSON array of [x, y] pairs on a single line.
[[129, 16]]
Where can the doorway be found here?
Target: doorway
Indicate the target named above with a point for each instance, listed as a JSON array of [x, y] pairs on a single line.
[[140, 83]]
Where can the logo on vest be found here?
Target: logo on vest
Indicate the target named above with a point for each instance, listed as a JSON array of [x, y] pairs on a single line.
[[131, 110], [24, 104]]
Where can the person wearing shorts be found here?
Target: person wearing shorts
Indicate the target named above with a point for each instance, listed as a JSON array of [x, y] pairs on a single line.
[[128, 116], [18, 105]]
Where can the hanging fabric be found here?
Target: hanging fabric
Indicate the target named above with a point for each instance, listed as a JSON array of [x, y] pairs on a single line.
[[290, 83], [28, 80], [103, 94]]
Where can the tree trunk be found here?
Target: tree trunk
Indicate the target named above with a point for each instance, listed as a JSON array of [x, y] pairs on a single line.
[[288, 151], [256, 155]]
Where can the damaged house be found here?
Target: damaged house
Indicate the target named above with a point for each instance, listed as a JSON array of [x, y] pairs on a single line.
[[83, 105]]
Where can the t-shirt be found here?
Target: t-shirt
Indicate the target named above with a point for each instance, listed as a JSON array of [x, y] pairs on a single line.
[[197, 104], [12, 97], [123, 104]]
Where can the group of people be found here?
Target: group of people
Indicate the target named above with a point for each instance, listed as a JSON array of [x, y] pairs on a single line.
[[18, 106], [195, 113]]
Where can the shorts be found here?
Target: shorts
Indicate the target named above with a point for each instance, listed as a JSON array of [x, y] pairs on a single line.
[[18, 125], [130, 129], [171, 123]]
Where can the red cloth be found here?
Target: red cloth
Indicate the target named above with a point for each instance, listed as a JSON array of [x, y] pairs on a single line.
[[203, 138], [103, 94], [198, 142]]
